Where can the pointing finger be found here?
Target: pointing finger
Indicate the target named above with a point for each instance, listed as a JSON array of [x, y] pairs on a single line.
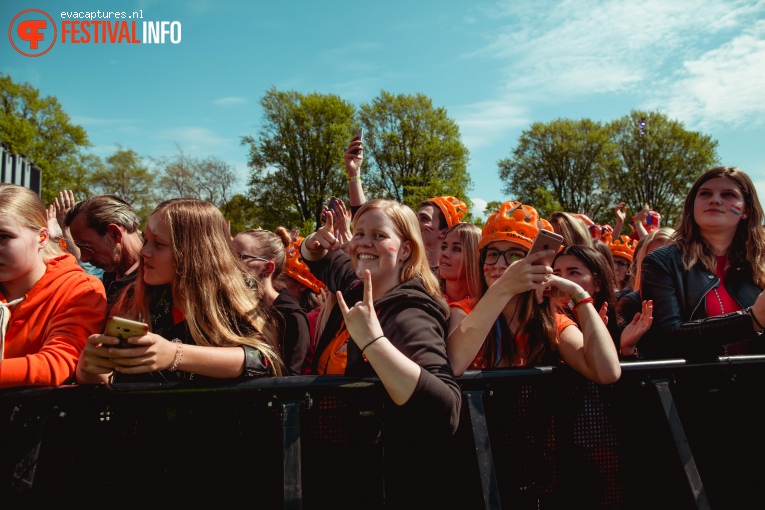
[[368, 300]]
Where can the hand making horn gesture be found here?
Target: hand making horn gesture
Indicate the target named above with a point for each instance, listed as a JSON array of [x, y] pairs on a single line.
[[361, 319]]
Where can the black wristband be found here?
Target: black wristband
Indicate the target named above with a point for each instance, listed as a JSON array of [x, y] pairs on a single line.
[[370, 343]]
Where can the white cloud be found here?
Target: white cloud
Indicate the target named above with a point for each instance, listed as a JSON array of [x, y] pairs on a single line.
[[572, 48], [193, 138], [484, 123], [479, 205], [226, 101], [722, 86]]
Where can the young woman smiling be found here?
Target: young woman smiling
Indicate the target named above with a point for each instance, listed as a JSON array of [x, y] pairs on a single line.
[[515, 323]]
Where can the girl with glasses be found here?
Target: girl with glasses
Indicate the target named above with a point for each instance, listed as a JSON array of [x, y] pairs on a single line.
[[515, 323], [264, 254]]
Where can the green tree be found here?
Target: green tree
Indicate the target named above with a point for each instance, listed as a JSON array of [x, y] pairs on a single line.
[[241, 213], [296, 163], [658, 167], [210, 179], [125, 175], [38, 128], [415, 150], [562, 165]]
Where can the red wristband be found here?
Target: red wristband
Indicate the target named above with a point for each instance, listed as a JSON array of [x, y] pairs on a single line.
[[583, 301]]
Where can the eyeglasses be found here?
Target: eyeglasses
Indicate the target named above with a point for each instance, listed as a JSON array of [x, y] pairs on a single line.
[[244, 256], [492, 256]]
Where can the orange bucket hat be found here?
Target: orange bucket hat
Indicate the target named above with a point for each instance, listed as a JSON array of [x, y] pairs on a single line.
[[453, 208], [513, 222], [297, 269]]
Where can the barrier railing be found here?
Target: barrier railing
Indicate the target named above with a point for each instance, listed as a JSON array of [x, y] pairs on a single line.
[[667, 435]]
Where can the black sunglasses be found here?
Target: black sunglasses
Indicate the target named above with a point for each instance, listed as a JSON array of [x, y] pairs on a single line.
[[244, 256]]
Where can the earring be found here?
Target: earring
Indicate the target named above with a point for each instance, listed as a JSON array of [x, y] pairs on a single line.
[[743, 216]]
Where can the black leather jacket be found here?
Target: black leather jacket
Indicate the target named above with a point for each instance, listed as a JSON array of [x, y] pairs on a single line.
[[680, 327]]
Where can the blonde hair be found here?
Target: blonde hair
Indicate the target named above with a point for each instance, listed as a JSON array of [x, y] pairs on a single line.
[[748, 241], [408, 229], [24, 205], [641, 250], [222, 304], [470, 265], [573, 229], [271, 246]]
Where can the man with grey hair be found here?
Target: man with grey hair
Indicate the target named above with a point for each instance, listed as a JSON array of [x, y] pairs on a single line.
[[106, 230]]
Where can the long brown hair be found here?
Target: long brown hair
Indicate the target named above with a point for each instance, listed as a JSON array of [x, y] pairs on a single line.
[[535, 319], [210, 287], [749, 240]]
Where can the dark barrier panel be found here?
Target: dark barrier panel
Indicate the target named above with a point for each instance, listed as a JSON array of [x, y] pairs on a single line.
[[667, 435], [15, 169]]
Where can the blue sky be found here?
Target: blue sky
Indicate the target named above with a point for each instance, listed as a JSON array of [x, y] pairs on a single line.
[[496, 66]]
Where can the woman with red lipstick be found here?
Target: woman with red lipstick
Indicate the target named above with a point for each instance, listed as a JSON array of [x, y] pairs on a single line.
[[707, 286], [459, 270], [515, 323], [390, 322], [204, 319]]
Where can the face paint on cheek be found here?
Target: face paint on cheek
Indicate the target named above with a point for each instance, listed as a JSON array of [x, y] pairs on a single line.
[[428, 228], [486, 270], [735, 210], [393, 250]]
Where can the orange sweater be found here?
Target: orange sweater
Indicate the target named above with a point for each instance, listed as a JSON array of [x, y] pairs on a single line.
[[48, 329]]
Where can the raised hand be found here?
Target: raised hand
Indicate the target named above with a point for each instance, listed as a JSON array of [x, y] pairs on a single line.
[[640, 323], [524, 274], [53, 227], [353, 156], [361, 319], [323, 240], [342, 223], [63, 202]]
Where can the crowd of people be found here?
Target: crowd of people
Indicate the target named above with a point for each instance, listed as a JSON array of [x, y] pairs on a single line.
[[413, 298]]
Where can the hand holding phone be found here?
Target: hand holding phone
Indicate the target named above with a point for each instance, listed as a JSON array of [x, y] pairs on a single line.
[[330, 206], [544, 241], [123, 329]]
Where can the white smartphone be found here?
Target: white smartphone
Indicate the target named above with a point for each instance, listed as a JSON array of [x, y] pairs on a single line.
[[546, 240]]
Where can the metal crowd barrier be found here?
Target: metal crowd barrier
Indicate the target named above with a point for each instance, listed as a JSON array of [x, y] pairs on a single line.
[[16, 169], [668, 434]]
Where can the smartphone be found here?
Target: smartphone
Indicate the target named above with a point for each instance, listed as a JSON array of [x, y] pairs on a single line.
[[123, 329], [546, 240], [331, 206], [360, 135]]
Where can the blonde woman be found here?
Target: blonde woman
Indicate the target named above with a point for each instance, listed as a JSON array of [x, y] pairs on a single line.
[[191, 290], [48, 305], [390, 321], [459, 270]]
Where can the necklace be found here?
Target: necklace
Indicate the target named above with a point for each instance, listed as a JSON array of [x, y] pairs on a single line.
[[722, 308], [722, 312]]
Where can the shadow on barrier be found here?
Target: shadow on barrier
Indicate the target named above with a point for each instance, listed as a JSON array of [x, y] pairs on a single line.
[[667, 435]]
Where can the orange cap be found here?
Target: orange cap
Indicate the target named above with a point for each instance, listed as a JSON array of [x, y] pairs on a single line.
[[297, 269], [453, 208], [513, 222], [624, 247]]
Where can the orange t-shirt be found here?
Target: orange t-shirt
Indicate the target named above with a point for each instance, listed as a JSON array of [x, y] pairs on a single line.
[[480, 361]]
